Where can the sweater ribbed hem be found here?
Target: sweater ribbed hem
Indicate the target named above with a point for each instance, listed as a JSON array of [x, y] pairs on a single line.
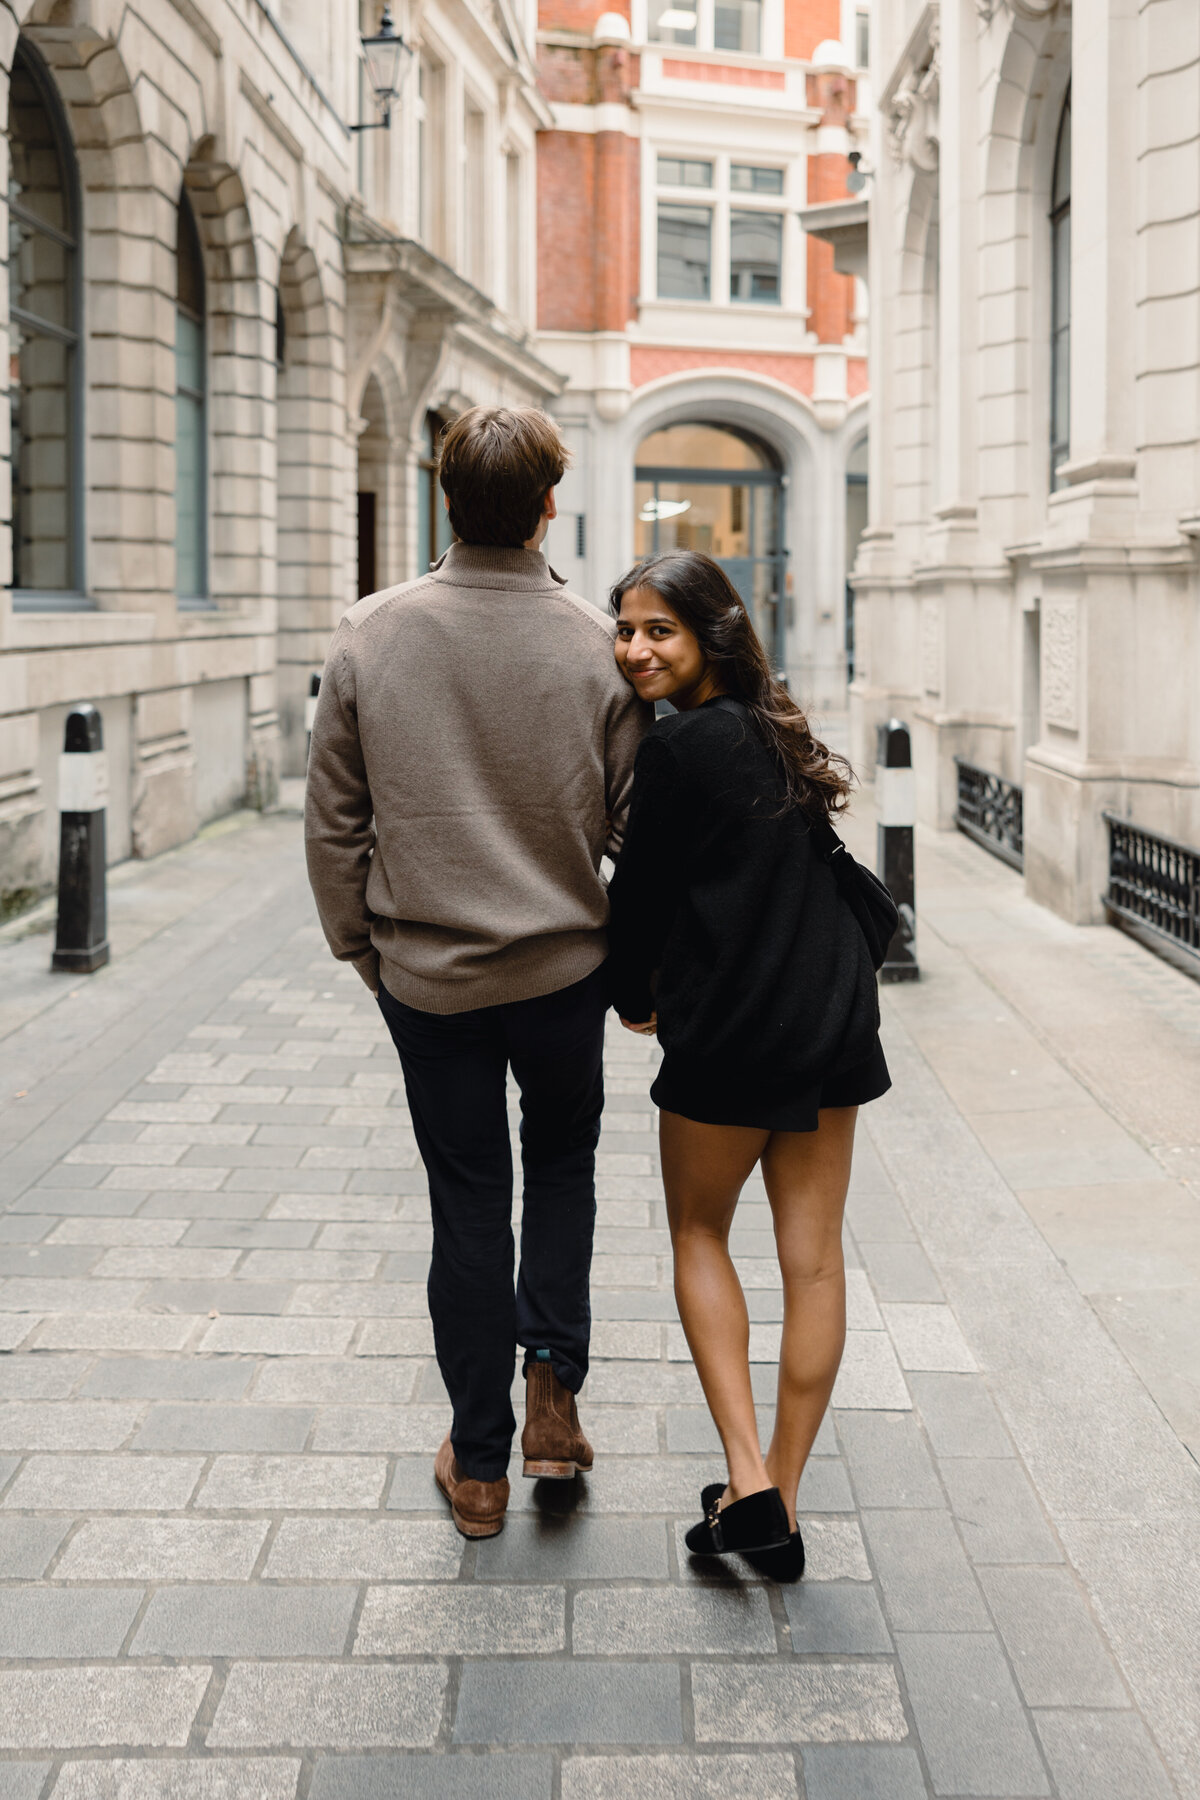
[[524, 972]]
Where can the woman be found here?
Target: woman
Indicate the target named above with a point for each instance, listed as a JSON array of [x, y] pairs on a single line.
[[730, 938]]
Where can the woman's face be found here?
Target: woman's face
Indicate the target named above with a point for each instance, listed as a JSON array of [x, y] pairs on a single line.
[[657, 654]]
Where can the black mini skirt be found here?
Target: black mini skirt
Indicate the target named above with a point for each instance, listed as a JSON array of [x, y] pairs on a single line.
[[708, 1094]]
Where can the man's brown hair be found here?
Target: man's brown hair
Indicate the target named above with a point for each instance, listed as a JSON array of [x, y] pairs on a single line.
[[496, 465]]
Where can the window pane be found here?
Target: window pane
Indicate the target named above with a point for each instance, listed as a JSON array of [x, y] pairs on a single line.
[[862, 40], [189, 260], [671, 22], [1062, 159], [189, 354], [700, 447], [755, 242], [189, 497], [684, 252], [745, 178], [678, 171], [41, 453], [737, 25], [37, 177], [41, 367]]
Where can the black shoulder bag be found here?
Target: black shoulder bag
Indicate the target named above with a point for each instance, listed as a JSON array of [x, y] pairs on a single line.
[[863, 892]]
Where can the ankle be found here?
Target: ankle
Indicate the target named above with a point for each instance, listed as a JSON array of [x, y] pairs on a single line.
[[743, 1488]]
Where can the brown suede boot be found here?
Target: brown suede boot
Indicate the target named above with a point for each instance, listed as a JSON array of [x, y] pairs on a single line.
[[477, 1506], [552, 1442]]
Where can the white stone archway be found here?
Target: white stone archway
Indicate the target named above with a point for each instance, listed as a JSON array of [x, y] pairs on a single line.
[[813, 463]]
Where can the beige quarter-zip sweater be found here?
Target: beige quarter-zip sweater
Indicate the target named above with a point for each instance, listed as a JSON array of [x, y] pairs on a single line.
[[471, 762]]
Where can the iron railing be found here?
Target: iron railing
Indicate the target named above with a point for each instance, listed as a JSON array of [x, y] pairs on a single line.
[[1154, 891], [991, 810]]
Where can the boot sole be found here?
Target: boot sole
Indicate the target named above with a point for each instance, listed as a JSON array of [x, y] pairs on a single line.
[[539, 1469]]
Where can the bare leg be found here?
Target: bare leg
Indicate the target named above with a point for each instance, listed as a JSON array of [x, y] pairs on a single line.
[[806, 1175], [704, 1168]]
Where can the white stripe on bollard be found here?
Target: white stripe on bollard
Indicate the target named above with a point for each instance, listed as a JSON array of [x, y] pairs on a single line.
[[895, 795], [83, 781]]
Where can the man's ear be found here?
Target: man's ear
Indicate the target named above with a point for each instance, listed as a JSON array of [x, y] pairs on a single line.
[[550, 505]]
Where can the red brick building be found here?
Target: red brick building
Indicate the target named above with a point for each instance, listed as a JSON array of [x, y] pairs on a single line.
[[716, 358]]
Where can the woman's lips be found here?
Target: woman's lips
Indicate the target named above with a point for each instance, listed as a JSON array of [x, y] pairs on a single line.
[[644, 674]]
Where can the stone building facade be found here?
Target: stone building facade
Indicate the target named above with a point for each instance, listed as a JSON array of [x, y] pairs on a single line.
[[715, 358], [234, 324], [1028, 590]]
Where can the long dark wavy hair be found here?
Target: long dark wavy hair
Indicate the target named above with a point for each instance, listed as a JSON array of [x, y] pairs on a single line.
[[705, 601]]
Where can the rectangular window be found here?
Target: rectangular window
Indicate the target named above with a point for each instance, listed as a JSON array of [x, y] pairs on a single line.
[[745, 178], [670, 23], [680, 171], [862, 40], [737, 25], [684, 252], [755, 254]]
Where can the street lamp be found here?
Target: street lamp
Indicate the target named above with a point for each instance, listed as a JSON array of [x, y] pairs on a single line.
[[858, 177], [384, 54]]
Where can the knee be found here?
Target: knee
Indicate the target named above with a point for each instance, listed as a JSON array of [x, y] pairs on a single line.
[[811, 1264]]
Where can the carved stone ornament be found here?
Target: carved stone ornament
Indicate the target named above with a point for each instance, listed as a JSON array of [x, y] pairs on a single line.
[[1060, 664], [1021, 9], [910, 100]]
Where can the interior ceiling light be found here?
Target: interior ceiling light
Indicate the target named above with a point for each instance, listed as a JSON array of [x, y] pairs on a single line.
[[677, 18], [663, 509]]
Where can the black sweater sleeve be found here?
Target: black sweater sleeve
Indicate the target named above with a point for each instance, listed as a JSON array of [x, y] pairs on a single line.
[[644, 893]]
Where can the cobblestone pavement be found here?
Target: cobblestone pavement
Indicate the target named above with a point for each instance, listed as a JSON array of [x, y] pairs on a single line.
[[227, 1573]]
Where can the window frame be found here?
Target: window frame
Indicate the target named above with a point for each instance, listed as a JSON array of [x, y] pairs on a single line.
[[74, 597], [722, 200], [201, 600]]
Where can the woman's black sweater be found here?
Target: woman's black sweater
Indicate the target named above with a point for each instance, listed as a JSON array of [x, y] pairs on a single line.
[[727, 921]]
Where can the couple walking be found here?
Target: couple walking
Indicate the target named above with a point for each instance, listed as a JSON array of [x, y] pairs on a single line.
[[483, 739]]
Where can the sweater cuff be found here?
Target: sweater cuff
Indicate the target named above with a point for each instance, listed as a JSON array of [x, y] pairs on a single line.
[[632, 999]]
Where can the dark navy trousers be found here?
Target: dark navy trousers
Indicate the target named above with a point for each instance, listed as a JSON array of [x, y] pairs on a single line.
[[455, 1068]]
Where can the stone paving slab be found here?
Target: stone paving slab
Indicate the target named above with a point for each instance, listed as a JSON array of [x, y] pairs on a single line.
[[227, 1574]]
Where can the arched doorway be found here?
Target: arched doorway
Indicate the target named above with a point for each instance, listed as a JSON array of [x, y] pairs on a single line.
[[711, 488]]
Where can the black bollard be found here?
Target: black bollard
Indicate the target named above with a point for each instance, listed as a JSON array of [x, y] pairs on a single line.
[[81, 941], [310, 710], [896, 809]]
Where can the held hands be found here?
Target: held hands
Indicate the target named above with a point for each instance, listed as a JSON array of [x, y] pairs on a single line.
[[647, 1029]]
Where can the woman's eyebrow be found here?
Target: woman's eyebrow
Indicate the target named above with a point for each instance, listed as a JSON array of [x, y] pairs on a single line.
[[654, 619]]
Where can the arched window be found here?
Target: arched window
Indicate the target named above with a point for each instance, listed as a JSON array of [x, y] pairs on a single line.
[[1060, 299], [191, 461], [45, 387]]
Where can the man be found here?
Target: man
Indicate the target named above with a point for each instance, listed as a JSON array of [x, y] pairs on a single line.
[[471, 762]]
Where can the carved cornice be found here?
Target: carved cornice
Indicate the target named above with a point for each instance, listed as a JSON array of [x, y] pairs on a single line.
[[909, 102], [1021, 9]]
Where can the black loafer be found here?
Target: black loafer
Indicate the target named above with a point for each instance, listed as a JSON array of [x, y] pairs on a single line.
[[786, 1563], [759, 1522]]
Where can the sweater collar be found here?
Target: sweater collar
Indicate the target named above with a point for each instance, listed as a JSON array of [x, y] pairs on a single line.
[[493, 566]]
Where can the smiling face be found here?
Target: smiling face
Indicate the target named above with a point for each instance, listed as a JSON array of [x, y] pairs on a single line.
[[658, 655]]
